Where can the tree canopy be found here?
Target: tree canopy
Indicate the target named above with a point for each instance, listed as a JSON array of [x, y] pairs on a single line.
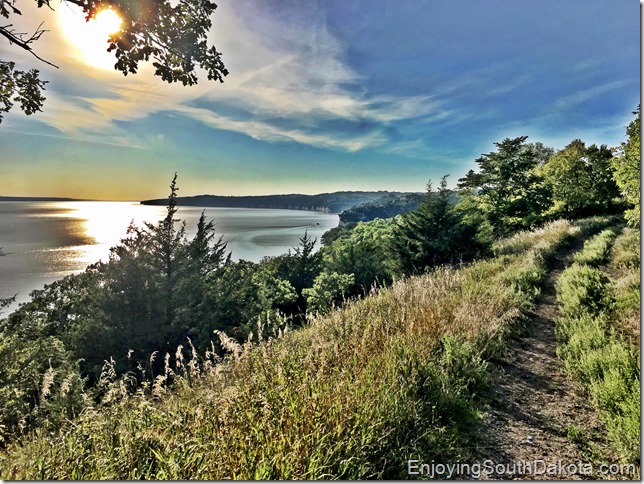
[[627, 169], [173, 35], [509, 190], [580, 179]]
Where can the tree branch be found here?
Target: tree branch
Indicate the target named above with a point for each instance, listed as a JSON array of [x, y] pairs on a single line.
[[24, 43]]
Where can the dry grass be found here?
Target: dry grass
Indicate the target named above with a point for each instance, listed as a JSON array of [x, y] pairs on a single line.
[[354, 395]]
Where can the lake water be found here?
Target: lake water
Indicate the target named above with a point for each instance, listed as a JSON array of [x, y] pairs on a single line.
[[45, 241]]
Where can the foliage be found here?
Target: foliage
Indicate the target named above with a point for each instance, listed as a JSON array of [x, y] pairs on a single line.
[[595, 250], [22, 87], [363, 252], [394, 376], [627, 169], [580, 179], [171, 34], [437, 233], [336, 232], [626, 250], [584, 288], [328, 290], [299, 268], [625, 270], [508, 188]]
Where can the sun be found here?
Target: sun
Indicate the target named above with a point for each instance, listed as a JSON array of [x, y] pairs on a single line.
[[89, 38], [107, 21]]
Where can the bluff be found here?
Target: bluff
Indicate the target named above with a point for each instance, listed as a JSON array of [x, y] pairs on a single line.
[[335, 202]]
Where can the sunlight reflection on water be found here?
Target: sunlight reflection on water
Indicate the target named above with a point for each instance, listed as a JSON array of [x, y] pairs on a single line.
[[44, 241]]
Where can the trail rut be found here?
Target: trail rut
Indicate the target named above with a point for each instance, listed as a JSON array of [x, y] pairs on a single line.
[[536, 411]]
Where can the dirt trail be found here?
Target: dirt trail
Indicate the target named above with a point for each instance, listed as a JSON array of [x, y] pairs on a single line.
[[536, 412]]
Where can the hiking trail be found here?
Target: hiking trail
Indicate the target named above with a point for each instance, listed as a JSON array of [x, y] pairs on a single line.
[[537, 412]]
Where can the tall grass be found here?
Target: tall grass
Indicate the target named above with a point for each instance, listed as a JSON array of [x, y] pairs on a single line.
[[355, 394], [593, 347]]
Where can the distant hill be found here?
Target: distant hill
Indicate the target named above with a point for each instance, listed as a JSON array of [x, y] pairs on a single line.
[[324, 202], [385, 207], [388, 206]]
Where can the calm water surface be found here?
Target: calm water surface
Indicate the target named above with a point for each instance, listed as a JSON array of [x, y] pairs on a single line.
[[45, 241]]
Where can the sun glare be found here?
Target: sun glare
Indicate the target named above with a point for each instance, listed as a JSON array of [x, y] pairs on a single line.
[[89, 39], [108, 21]]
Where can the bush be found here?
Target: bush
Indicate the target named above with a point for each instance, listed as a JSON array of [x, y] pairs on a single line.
[[626, 250], [327, 291]]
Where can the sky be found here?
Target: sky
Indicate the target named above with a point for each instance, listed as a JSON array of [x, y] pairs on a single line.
[[323, 96]]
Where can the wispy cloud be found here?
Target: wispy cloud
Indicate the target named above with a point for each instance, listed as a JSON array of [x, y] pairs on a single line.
[[117, 142], [569, 101], [278, 69], [290, 81]]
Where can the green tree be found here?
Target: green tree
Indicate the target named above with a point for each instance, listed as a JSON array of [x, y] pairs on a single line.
[[173, 35], [132, 305], [508, 188], [437, 233], [199, 262], [327, 291], [580, 180], [627, 165], [299, 267], [541, 152], [364, 252], [165, 248]]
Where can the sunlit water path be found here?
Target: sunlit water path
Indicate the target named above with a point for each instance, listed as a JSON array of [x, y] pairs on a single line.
[[45, 241]]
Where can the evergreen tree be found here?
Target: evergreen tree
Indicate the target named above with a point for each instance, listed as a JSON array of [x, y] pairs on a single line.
[[165, 250], [200, 264], [307, 263], [434, 234]]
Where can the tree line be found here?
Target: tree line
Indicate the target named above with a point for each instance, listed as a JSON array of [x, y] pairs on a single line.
[[160, 289]]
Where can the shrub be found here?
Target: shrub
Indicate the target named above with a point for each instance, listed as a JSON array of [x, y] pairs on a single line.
[[328, 290], [626, 250]]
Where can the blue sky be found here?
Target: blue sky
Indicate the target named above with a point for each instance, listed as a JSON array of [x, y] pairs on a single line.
[[325, 96]]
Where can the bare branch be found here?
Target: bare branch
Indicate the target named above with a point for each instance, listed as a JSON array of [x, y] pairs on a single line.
[[17, 39]]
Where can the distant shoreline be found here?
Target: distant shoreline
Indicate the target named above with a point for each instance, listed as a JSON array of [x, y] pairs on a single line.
[[335, 202]]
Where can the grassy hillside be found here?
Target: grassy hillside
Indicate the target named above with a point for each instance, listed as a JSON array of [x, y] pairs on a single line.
[[396, 376]]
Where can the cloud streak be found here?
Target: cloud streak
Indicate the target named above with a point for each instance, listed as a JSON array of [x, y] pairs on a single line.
[[278, 70], [291, 81]]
